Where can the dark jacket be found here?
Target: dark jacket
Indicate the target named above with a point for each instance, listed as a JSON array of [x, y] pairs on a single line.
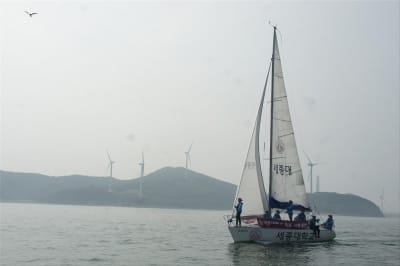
[[328, 224], [239, 207]]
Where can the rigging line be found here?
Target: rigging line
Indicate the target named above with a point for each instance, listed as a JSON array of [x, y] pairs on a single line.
[[280, 35], [266, 80], [282, 120], [277, 99], [276, 27], [289, 134], [272, 25], [266, 85], [274, 158], [317, 211], [280, 97]]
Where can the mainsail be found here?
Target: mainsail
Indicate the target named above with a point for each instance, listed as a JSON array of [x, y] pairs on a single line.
[[286, 178]]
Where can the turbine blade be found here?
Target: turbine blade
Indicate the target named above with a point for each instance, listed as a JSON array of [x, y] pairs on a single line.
[[109, 157], [190, 147], [308, 158]]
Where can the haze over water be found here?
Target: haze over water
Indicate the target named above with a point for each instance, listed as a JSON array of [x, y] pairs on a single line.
[[44, 235]]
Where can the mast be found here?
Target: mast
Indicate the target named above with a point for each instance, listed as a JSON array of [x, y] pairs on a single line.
[[271, 122]]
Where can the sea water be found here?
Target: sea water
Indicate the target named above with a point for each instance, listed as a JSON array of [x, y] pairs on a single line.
[[40, 234]]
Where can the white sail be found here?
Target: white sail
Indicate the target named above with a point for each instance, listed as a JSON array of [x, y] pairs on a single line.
[[251, 187], [286, 178]]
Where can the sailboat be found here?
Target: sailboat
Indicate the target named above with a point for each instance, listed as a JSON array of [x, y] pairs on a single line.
[[286, 183]]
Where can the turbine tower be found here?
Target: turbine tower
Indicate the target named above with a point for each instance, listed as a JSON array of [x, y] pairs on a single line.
[[382, 199], [141, 176], [110, 166], [187, 153], [311, 164]]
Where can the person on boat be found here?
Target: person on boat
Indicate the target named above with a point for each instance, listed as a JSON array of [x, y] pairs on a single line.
[[277, 215], [329, 223], [314, 226], [267, 215], [239, 208], [301, 217], [289, 210]]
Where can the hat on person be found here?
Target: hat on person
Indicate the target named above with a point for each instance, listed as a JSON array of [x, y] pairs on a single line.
[[330, 215], [240, 199], [278, 211]]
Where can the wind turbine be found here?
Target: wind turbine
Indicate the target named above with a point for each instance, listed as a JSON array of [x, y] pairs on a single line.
[[110, 166], [141, 175], [311, 164], [382, 199], [187, 153]]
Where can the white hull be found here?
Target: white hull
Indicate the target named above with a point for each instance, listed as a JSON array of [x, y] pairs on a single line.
[[254, 233]]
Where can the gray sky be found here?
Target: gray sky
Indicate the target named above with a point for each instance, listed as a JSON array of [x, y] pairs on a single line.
[[83, 77]]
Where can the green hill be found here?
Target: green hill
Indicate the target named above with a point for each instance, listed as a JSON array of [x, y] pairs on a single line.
[[344, 204], [165, 188]]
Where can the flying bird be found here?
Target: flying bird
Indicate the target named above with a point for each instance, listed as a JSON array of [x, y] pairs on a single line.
[[31, 14]]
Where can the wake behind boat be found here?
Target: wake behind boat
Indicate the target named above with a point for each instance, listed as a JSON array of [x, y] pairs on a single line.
[[286, 184]]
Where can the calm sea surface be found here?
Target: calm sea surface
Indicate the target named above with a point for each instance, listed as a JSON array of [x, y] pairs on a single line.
[[38, 234]]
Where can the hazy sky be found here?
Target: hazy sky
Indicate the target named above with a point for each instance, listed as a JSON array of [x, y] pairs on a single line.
[[85, 76]]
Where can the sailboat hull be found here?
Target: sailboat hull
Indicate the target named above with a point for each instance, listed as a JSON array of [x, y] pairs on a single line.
[[253, 233]]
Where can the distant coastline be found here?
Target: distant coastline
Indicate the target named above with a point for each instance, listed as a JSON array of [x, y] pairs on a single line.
[[175, 188], [391, 214]]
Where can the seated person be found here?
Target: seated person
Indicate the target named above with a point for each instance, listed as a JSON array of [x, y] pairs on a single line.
[[301, 217], [277, 215], [267, 215], [329, 223]]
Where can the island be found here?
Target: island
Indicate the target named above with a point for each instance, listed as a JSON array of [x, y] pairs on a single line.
[[167, 187]]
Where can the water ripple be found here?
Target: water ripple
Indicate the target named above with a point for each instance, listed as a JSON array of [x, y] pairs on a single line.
[[84, 235]]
